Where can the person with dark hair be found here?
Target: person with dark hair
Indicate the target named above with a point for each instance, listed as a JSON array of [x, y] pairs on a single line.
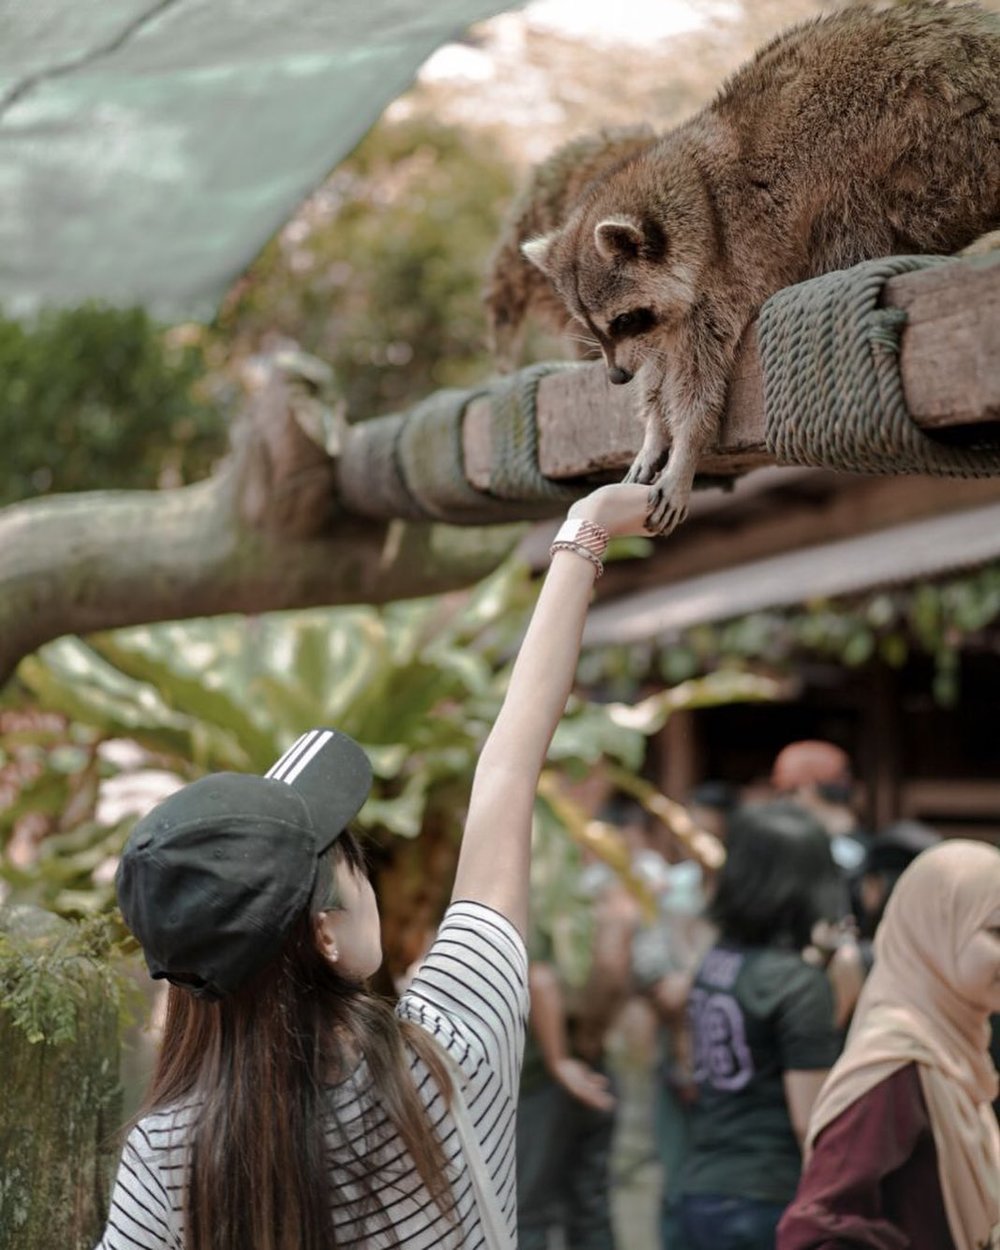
[[886, 859], [762, 1026], [710, 805], [903, 1148], [292, 1109]]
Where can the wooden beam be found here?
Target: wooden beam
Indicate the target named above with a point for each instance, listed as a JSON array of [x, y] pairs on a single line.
[[970, 797], [949, 361]]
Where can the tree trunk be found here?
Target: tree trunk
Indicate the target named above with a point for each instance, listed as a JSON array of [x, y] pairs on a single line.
[[60, 1108]]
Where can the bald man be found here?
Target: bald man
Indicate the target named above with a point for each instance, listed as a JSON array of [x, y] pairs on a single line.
[[818, 775]]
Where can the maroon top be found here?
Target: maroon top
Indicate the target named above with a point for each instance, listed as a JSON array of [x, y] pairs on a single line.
[[872, 1180]]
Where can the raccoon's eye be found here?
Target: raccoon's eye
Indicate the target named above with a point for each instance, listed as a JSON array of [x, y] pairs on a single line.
[[637, 321]]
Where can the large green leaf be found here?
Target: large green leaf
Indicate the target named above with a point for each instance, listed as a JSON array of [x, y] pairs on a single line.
[[193, 670], [70, 676]]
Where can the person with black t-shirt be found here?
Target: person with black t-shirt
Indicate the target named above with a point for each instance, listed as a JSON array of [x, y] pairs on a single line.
[[762, 1022]]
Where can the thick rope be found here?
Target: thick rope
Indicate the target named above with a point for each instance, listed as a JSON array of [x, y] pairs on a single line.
[[429, 456], [411, 465], [514, 429], [375, 486], [833, 396]]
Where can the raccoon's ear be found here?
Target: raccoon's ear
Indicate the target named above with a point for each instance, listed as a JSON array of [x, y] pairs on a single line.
[[538, 249], [619, 238]]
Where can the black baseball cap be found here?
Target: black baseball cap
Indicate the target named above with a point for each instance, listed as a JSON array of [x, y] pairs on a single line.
[[213, 878]]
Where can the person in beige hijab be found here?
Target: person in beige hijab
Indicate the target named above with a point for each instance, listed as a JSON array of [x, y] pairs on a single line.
[[902, 1151]]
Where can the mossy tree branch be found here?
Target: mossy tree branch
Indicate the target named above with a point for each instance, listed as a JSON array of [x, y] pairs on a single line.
[[263, 533]]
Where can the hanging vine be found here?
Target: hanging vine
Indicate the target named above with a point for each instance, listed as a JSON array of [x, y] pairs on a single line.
[[935, 619]]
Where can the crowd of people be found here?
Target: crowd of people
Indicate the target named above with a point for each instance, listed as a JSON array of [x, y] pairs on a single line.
[[293, 1109], [783, 1038]]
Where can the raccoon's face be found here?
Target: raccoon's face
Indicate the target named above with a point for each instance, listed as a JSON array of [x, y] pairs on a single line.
[[619, 278]]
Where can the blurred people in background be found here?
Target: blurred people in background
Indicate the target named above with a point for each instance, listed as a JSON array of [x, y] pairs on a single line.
[[903, 1147], [566, 1105], [665, 954], [710, 804], [762, 1025], [818, 775], [887, 857]]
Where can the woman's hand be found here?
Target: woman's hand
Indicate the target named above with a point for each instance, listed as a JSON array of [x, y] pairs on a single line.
[[621, 508]]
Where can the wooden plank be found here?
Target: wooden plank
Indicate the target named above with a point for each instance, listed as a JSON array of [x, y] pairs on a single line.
[[950, 364], [950, 357], [955, 798]]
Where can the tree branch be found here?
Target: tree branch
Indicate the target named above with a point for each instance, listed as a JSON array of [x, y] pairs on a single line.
[[262, 534]]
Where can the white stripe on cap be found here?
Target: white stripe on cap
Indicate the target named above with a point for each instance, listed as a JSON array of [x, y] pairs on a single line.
[[305, 759], [277, 770]]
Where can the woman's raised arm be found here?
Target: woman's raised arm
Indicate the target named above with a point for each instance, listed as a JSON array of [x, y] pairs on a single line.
[[496, 845]]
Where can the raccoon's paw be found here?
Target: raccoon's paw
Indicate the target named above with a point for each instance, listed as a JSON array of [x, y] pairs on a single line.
[[668, 505]]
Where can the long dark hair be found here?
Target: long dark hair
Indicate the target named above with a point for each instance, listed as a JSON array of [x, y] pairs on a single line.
[[252, 1066], [779, 877]]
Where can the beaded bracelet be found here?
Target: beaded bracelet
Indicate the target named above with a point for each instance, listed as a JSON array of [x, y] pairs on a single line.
[[584, 538]]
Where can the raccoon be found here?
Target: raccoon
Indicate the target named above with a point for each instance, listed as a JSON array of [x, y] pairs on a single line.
[[860, 134], [514, 285]]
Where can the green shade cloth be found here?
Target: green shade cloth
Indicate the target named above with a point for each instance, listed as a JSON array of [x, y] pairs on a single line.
[[148, 149]]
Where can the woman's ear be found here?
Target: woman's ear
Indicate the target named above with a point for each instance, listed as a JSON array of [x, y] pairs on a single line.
[[326, 938]]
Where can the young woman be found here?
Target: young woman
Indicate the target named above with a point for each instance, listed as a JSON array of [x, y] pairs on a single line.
[[903, 1140], [290, 1108], [762, 1028]]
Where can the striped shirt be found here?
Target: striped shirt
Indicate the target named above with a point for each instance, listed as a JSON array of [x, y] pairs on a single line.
[[471, 996]]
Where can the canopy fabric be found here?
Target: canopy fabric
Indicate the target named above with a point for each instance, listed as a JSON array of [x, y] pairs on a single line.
[[889, 557], [149, 148]]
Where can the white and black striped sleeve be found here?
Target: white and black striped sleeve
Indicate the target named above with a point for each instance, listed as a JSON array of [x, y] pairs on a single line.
[[471, 993]]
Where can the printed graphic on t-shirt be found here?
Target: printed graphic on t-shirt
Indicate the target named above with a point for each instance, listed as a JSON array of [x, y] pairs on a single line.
[[722, 1056]]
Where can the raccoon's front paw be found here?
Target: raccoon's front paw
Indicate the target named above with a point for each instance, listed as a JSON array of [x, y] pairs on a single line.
[[668, 505]]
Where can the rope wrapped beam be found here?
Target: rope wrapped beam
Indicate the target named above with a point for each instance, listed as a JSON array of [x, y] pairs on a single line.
[[864, 370], [412, 465]]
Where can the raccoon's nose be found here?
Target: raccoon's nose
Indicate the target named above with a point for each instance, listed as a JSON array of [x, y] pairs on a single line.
[[618, 375]]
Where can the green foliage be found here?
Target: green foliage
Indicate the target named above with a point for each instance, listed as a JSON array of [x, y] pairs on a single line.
[[46, 977], [417, 683], [50, 774], [381, 273], [561, 910], [96, 397]]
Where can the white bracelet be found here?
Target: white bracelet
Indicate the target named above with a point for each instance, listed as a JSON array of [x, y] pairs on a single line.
[[584, 538], [585, 534]]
